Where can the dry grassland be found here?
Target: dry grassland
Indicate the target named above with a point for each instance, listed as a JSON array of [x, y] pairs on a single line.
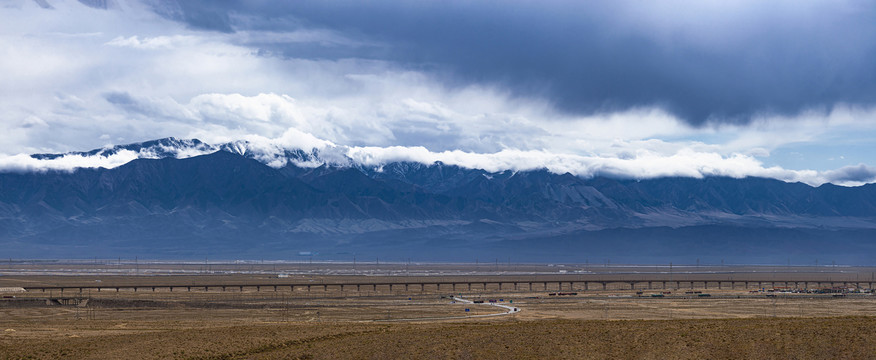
[[780, 338], [336, 324]]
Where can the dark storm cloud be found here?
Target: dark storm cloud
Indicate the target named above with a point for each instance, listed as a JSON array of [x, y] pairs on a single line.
[[700, 63], [120, 98], [125, 101], [97, 4], [203, 15], [858, 174]]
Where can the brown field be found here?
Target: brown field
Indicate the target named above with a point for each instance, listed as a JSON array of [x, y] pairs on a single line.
[[614, 323]]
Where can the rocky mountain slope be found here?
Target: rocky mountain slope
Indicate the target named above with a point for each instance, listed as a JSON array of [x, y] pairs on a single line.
[[188, 199]]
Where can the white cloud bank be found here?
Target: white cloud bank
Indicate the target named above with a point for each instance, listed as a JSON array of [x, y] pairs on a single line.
[[26, 163], [642, 165]]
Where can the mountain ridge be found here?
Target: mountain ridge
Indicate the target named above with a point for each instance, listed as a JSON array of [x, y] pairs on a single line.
[[228, 202]]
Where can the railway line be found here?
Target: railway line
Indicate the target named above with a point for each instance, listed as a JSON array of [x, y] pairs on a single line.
[[516, 284]]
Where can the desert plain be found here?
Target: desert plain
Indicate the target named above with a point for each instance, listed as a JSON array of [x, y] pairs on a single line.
[[431, 322]]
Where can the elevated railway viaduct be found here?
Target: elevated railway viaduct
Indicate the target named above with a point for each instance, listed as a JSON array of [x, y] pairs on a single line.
[[465, 285]]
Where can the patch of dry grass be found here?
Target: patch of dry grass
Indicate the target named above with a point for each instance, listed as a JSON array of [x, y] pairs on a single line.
[[781, 338]]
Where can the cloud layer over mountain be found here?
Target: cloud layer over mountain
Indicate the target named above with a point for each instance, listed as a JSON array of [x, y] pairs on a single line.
[[275, 153], [625, 89]]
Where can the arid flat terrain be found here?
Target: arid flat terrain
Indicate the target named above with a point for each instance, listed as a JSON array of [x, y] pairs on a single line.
[[332, 323]]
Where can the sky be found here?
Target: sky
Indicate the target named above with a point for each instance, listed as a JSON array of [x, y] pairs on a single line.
[[635, 89]]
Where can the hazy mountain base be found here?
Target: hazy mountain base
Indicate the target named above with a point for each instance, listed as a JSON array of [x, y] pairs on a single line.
[[708, 244]]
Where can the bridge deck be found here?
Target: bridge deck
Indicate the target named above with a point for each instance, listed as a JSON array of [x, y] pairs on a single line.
[[590, 284]]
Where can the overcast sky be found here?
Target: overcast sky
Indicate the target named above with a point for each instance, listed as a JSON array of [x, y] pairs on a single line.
[[783, 89]]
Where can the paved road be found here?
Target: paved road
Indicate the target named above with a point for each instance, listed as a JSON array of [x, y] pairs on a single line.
[[510, 310]]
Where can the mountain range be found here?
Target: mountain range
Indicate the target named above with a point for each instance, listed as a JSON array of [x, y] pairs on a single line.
[[187, 199]]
